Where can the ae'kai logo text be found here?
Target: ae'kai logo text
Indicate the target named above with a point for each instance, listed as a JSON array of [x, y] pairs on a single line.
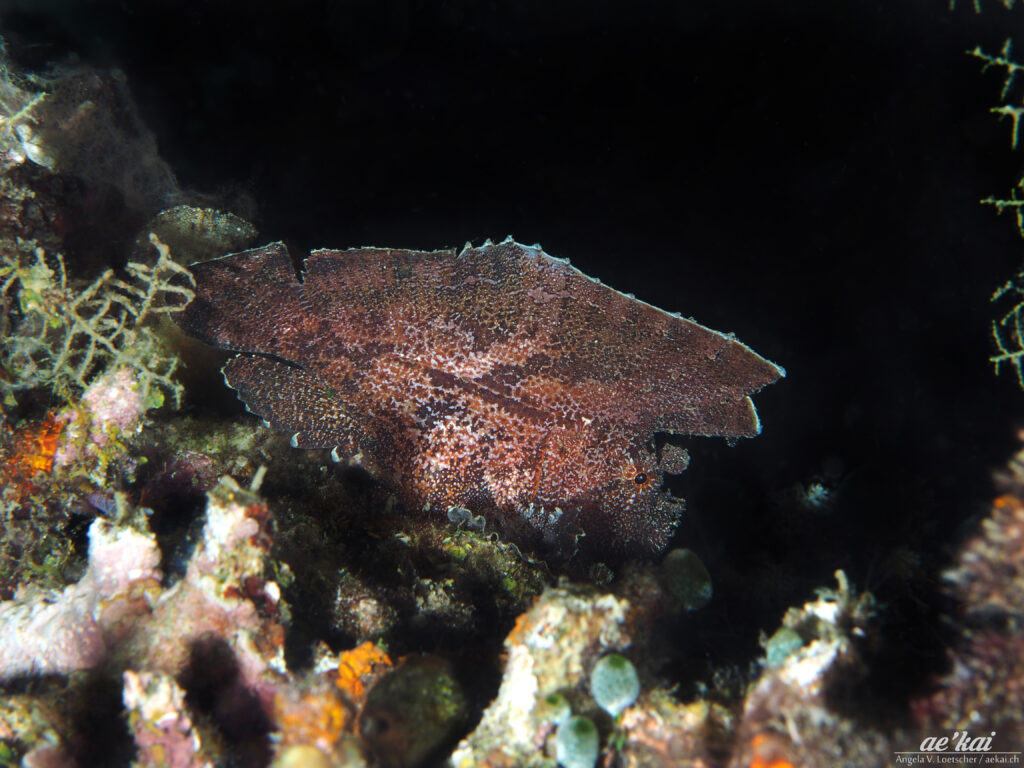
[[959, 749]]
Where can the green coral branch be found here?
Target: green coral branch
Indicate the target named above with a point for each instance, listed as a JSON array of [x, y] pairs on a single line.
[[1007, 4], [1014, 203], [62, 337], [1008, 333], [1008, 330], [1003, 60], [1014, 113]]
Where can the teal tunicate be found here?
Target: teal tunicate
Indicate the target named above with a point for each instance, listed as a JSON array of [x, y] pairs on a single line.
[[614, 683], [686, 578], [577, 743], [781, 646], [556, 708]]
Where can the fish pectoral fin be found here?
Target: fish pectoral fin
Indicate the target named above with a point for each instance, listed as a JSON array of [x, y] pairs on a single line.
[[293, 400]]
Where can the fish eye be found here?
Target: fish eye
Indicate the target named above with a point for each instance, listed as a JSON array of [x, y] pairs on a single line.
[[640, 478]]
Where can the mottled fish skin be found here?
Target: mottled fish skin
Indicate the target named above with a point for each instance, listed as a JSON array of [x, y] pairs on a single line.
[[497, 379]]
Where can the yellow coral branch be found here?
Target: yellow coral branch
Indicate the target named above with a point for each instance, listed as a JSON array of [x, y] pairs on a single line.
[[63, 338]]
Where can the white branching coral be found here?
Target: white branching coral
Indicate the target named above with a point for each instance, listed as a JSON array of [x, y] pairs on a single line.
[[61, 337]]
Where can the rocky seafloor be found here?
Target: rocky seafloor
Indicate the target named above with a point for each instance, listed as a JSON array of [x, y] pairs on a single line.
[[179, 587]]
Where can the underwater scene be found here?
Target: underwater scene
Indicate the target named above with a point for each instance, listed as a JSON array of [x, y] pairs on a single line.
[[482, 384]]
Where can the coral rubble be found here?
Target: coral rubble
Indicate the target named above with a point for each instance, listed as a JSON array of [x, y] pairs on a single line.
[[794, 714], [160, 723], [64, 461], [224, 611], [81, 122], [33, 730], [548, 653], [983, 692], [790, 716]]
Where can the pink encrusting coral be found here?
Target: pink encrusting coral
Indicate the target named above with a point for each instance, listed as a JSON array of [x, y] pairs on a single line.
[[223, 595], [221, 621], [110, 410], [43, 633], [115, 404], [119, 612], [71, 460], [73, 630], [160, 723], [118, 606]]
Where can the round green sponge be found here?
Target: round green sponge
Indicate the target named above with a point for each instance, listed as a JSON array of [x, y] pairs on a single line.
[[614, 683], [577, 743]]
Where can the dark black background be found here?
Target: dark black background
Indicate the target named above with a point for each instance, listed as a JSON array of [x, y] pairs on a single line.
[[803, 173]]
